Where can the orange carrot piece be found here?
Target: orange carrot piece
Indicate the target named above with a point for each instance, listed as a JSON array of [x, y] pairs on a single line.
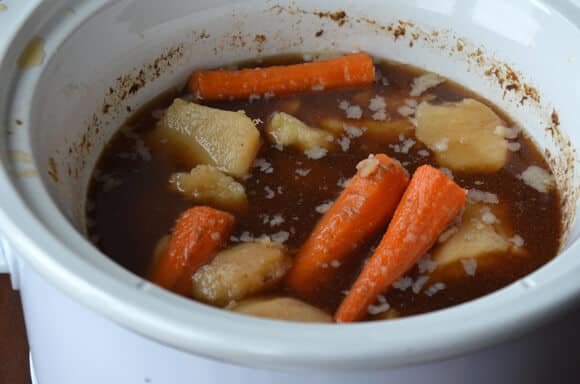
[[363, 207], [428, 206], [352, 70], [199, 234]]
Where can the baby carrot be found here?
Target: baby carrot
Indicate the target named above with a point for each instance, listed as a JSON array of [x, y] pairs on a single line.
[[199, 234], [428, 206], [363, 207], [351, 70]]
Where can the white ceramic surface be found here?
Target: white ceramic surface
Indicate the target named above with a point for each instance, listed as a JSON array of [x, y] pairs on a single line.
[[88, 45]]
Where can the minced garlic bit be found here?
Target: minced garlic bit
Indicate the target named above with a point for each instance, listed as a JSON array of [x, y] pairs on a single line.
[[487, 216], [425, 264], [379, 308], [342, 182], [276, 220], [447, 234], [368, 166], [425, 82], [316, 153], [302, 171], [335, 264], [423, 153], [469, 266], [343, 104], [324, 207], [269, 193], [354, 112], [380, 115], [447, 172], [514, 146], [419, 283], [434, 288], [280, 237], [406, 111], [344, 143], [377, 103], [508, 133], [538, 178], [263, 164], [352, 131], [476, 196], [403, 283], [517, 240], [442, 145]]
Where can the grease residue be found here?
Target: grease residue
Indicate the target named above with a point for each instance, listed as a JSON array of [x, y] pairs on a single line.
[[70, 12], [52, 170], [33, 55], [3, 7], [21, 157]]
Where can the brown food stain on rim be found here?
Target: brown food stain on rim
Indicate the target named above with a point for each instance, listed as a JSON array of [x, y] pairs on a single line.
[[114, 102], [502, 74], [52, 170], [33, 54]]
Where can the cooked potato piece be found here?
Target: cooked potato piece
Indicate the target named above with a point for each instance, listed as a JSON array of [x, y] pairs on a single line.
[[240, 271], [385, 130], [206, 184], [282, 308], [285, 129], [484, 230], [227, 140], [462, 135]]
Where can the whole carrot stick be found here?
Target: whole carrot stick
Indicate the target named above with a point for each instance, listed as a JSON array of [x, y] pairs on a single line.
[[198, 235], [363, 207], [429, 204], [351, 70]]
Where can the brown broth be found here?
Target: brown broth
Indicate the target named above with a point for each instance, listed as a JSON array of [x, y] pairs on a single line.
[[132, 205]]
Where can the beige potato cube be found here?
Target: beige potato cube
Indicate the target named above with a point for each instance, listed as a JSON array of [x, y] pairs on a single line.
[[282, 308], [285, 129], [227, 140], [208, 185], [475, 237], [242, 270], [462, 135]]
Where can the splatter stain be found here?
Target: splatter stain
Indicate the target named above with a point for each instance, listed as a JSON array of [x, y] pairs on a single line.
[[33, 55], [52, 170]]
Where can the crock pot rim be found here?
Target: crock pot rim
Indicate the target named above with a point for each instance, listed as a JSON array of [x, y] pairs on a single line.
[[225, 336]]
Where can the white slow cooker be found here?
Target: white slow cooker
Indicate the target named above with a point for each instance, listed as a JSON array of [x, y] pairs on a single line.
[[72, 71]]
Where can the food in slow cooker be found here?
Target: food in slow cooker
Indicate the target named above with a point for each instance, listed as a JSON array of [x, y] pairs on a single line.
[[340, 190]]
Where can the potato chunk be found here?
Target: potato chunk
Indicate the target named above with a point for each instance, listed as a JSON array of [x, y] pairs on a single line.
[[462, 135], [285, 129], [240, 271], [282, 308], [484, 230], [227, 140], [206, 184]]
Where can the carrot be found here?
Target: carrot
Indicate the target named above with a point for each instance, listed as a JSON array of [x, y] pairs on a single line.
[[198, 235], [363, 207], [428, 206], [351, 70]]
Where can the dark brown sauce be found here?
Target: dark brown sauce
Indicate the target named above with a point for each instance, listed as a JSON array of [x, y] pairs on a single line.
[[132, 206]]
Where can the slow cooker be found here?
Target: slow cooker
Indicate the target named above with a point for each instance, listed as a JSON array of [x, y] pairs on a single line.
[[73, 70]]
